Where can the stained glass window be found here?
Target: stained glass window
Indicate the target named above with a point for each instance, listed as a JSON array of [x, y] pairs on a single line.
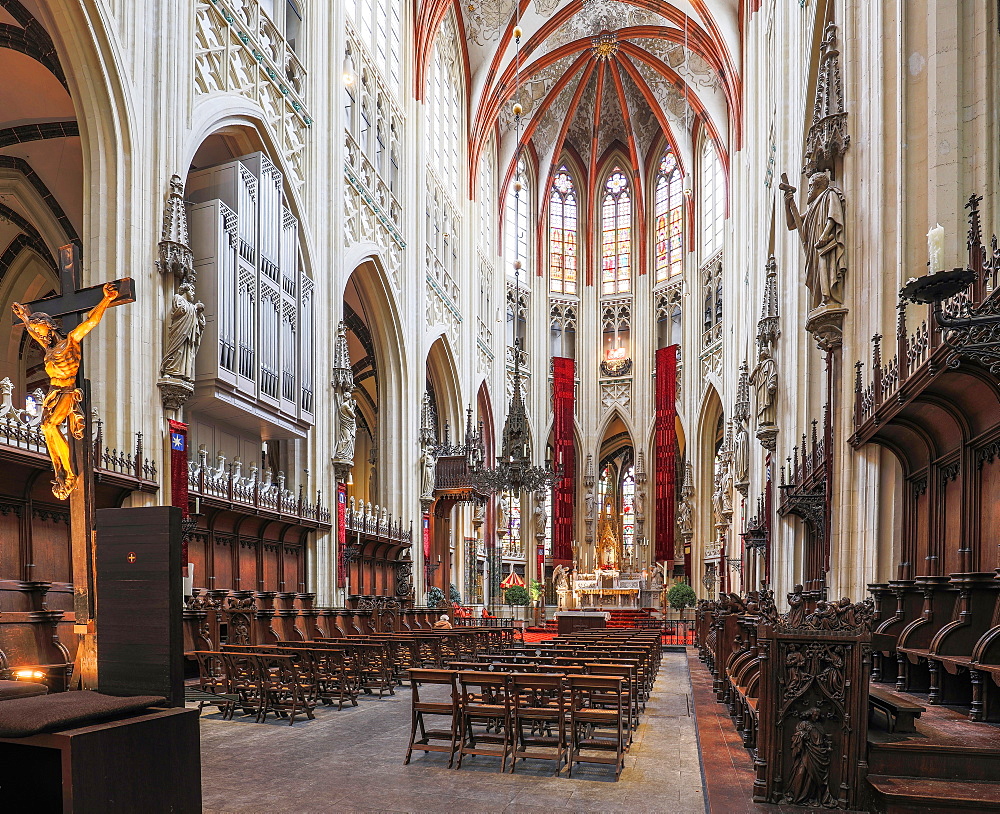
[[628, 511], [603, 490], [562, 234], [668, 211], [512, 526], [616, 235]]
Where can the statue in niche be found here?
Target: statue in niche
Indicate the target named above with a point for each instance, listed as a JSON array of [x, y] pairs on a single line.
[[741, 454], [684, 516], [503, 515], [656, 579], [347, 427], [187, 323], [539, 514], [428, 465], [727, 491], [809, 782], [765, 382], [821, 230], [588, 502]]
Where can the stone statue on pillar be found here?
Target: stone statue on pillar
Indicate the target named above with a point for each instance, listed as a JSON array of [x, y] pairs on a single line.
[[428, 465], [821, 230], [346, 407], [764, 378], [186, 321]]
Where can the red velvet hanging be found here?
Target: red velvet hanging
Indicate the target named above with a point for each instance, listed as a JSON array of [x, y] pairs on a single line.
[[341, 534], [179, 479], [666, 453], [565, 456]]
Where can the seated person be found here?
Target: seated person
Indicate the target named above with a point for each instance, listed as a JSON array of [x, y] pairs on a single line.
[[443, 623]]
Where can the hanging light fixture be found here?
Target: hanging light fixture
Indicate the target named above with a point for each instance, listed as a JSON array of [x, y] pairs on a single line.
[[513, 472]]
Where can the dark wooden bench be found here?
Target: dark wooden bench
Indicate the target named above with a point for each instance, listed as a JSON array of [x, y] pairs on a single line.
[[899, 713]]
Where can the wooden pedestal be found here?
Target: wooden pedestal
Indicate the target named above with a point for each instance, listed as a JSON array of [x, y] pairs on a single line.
[[147, 763]]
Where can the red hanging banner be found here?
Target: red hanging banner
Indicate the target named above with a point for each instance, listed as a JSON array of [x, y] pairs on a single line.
[[341, 534], [666, 454], [179, 478], [563, 372]]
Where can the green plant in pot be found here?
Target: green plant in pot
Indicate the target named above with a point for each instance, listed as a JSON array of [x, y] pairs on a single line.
[[434, 596], [516, 595], [454, 593], [680, 596]]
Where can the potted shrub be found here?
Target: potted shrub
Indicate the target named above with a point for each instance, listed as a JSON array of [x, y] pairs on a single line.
[[516, 595], [435, 596], [454, 594], [680, 596]]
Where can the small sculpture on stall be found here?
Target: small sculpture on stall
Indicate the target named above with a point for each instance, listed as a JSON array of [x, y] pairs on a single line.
[[796, 615], [809, 781]]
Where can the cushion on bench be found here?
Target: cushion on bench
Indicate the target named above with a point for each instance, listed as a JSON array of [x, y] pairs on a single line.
[[21, 689], [21, 717]]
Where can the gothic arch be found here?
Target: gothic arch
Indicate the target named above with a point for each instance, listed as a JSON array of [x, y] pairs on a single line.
[[703, 462], [241, 123], [89, 56], [369, 284], [442, 370]]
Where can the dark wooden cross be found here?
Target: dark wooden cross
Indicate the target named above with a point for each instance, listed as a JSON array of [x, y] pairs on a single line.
[[73, 303], [71, 306]]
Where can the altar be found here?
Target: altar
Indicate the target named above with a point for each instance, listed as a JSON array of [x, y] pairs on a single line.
[[571, 621], [607, 589]]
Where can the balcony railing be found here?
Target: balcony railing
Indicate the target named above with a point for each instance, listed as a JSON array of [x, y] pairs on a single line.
[[264, 494], [922, 351], [375, 521]]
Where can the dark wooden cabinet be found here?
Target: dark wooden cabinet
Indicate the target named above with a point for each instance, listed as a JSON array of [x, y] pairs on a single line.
[[149, 763]]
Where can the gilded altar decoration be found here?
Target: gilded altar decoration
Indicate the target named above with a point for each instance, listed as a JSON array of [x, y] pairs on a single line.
[[63, 355], [608, 545]]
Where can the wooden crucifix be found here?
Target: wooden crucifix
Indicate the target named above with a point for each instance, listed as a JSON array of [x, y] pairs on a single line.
[[63, 420]]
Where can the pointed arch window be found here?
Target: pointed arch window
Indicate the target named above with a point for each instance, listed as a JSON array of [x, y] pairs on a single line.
[[515, 237], [668, 208], [562, 234], [628, 510], [616, 235], [713, 200]]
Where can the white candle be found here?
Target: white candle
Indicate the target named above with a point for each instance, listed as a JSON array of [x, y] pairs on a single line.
[[935, 247]]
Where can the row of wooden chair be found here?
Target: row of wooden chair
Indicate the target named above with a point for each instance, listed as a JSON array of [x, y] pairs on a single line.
[[327, 670], [257, 683], [568, 719], [571, 699]]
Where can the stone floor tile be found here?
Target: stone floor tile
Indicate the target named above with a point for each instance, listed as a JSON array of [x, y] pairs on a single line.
[[352, 760]]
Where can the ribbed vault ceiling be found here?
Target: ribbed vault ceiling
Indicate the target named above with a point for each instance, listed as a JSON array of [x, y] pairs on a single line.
[[595, 74]]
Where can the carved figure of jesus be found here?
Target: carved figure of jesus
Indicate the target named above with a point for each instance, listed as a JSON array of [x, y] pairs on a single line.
[[63, 355], [821, 230]]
